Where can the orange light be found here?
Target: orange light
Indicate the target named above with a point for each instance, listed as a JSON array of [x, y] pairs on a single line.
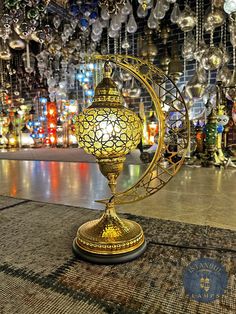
[[153, 126], [52, 139], [152, 132]]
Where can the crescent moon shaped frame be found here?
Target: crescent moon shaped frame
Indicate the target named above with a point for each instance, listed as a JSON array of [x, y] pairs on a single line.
[[173, 126]]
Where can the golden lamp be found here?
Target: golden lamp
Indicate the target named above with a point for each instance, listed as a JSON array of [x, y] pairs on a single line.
[[109, 131]]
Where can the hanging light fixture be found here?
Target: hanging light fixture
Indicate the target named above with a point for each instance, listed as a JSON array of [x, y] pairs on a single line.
[[5, 53], [28, 59], [230, 6], [152, 124], [175, 65], [148, 48], [231, 87], [212, 58], [16, 43], [112, 6]]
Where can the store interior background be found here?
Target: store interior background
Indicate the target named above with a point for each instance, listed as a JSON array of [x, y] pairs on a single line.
[[47, 76]]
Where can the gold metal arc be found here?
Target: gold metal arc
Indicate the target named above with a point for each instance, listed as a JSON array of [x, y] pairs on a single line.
[[173, 141]]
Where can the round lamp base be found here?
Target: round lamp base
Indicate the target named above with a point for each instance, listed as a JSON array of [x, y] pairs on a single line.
[[109, 239], [109, 258]]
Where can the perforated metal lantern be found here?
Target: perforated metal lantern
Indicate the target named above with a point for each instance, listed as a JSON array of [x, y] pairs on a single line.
[[107, 129], [108, 132]]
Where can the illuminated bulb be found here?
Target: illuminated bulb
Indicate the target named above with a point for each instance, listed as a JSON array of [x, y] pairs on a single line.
[[72, 108], [91, 66], [12, 141], [79, 76], [52, 139]]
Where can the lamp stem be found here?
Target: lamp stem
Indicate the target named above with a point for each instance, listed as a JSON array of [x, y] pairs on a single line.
[[110, 210], [111, 169], [112, 182]]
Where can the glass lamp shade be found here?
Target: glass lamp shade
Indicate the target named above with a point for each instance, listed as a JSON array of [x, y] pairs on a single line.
[[187, 19], [212, 58], [109, 132], [230, 6], [15, 42], [107, 129]]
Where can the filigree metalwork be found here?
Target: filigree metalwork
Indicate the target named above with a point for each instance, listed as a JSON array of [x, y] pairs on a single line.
[[173, 123], [107, 129], [113, 133]]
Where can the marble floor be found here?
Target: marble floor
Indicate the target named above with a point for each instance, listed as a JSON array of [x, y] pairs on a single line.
[[205, 196]]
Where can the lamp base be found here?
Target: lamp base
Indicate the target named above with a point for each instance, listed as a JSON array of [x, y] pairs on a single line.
[[108, 259], [109, 239]]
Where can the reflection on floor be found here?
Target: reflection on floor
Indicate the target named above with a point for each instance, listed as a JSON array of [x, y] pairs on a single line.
[[203, 196]]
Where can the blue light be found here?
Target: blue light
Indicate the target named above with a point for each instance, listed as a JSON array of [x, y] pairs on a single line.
[[91, 66], [74, 9], [89, 92], [84, 23], [79, 76], [89, 74], [220, 128], [93, 15], [85, 80], [43, 100]]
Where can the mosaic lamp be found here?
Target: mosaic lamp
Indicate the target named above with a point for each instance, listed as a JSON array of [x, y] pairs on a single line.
[[109, 131]]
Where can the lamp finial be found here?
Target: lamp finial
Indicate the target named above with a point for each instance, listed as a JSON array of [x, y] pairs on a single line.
[[107, 70]]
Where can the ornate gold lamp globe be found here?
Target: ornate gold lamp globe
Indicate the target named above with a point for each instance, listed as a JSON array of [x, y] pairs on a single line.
[[109, 131]]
